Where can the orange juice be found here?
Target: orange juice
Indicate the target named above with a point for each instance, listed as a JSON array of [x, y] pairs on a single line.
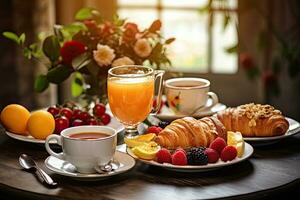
[[130, 99]]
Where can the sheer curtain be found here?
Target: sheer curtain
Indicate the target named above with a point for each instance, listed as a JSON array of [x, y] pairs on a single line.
[[17, 73]]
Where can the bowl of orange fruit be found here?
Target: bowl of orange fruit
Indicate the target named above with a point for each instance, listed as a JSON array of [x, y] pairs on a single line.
[[35, 126]]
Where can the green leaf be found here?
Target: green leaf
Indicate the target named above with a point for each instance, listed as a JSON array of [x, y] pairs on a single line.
[[81, 61], [77, 85], [117, 21], [51, 48], [27, 53], [58, 74], [12, 36], [169, 41], [22, 39], [232, 49], [93, 69], [84, 13], [41, 83], [58, 32], [35, 50]]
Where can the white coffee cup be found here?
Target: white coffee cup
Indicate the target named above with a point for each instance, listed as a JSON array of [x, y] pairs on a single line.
[[187, 96], [85, 154]]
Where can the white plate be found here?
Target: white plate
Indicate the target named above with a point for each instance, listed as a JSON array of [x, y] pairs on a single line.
[[198, 168], [294, 128], [167, 114], [114, 123], [67, 169]]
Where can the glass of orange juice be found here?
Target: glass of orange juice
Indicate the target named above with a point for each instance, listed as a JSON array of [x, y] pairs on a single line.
[[131, 91]]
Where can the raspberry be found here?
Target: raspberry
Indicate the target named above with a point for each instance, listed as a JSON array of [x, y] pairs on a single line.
[[164, 156], [218, 144], [213, 155], [180, 149], [154, 129], [179, 158], [229, 153], [196, 156]]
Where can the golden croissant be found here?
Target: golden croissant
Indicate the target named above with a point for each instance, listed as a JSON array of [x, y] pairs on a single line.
[[189, 132], [254, 120]]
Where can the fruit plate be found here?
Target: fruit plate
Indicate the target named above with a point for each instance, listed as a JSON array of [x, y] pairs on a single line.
[[114, 123], [199, 168], [294, 128]]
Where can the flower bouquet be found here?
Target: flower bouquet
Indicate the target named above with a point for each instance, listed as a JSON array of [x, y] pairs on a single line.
[[88, 47]]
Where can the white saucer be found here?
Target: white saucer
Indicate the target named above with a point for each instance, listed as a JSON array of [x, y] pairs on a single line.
[[167, 114], [198, 168], [67, 169]]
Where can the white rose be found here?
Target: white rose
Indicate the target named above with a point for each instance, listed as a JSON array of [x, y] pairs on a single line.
[[104, 55], [122, 61], [142, 48]]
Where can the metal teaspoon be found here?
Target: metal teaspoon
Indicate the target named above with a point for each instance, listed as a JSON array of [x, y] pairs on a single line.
[[28, 163]]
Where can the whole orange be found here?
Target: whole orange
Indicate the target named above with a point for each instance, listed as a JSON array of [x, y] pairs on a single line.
[[14, 117], [40, 124]]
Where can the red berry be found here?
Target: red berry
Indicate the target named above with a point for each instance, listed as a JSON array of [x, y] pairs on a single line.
[[76, 113], [105, 118], [61, 123], [213, 155], [77, 122], [67, 112], [180, 149], [179, 158], [229, 153], [154, 129], [218, 144], [246, 61], [84, 116], [99, 109], [92, 121], [164, 156], [53, 110]]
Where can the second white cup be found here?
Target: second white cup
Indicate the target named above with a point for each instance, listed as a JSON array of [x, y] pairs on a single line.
[[187, 96]]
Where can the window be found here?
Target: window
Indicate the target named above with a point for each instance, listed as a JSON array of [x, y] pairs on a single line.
[[199, 47]]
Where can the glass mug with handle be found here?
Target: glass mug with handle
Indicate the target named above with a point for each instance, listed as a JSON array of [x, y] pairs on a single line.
[[131, 91]]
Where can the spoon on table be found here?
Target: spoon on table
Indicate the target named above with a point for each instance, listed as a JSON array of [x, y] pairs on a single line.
[[28, 163]]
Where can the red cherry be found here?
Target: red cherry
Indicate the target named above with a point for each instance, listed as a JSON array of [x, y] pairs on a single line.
[[61, 123], [92, 121], [77, 122], [99, 109], [67, 112], [84, 116], [53, 110], [76, 113], [105, 118]]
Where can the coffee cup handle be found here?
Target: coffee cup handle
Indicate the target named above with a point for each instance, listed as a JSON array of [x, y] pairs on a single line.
[[214, 98], [57, 138]]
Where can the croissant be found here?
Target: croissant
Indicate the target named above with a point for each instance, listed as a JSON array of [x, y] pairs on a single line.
[[254, 120], [189, 132]]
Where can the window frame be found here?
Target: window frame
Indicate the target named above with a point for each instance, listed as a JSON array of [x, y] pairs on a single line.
[[159, 8]]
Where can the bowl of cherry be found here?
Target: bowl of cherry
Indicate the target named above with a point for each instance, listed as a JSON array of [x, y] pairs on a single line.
[[72, 115]]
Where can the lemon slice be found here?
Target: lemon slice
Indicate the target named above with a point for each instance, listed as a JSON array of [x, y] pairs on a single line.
[[139, 140], [236, 139], [147, 151]]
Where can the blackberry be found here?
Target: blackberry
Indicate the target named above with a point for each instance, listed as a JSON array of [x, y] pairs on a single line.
[[163, 124], [197, 156]]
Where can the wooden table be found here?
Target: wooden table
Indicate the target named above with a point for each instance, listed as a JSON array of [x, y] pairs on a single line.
[[271, 170]]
